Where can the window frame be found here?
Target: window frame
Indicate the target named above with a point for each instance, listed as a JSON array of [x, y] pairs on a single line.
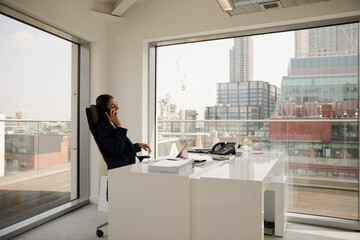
[[150, 73]]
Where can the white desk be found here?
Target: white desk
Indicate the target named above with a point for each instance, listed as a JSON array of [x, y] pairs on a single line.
[[222, 201]]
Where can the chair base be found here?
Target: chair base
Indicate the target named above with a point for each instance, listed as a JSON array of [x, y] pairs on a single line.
[[142, 157], [99, 232]]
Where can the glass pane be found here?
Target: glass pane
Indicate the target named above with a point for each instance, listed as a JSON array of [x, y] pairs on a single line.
[[322, 83], [308, 78], [35, 122]]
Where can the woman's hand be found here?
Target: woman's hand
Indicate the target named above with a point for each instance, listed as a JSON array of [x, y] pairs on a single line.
[[113, 117], [145, 147]]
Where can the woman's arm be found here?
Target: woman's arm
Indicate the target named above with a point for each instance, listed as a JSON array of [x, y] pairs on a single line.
[[113, 140], [144, 146]]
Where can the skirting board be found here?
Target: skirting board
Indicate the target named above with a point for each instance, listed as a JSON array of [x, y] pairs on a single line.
[[94, 200]]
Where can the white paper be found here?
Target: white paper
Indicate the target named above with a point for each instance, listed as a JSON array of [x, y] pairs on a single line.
[[103, 203], [170, 166]]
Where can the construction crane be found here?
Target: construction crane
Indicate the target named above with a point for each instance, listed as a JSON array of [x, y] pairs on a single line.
[[183, 88], [19, 114]]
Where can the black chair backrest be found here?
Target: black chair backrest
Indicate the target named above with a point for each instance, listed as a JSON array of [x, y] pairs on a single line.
[[93, 118]]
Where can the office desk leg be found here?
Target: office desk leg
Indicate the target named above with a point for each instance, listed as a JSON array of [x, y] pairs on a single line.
[[278, 186]]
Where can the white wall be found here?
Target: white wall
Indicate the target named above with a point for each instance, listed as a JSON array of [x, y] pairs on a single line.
[[117, 50]]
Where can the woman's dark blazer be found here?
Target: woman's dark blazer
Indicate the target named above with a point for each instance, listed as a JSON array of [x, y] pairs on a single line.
[[118, 149]]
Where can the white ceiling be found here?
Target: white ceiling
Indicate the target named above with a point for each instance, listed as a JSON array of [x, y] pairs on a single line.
[[113, 8]]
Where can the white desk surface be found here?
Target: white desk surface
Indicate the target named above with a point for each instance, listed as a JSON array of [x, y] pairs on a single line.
[[193, 173], [254, 167]]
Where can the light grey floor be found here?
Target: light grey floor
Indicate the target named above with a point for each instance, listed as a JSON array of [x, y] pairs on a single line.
[[81, 225], [76, 225]]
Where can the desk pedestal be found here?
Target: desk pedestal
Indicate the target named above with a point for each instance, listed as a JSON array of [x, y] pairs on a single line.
[[149, 206], [231, 210]]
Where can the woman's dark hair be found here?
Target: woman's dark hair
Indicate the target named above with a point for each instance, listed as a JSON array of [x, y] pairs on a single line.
[[101, 103]]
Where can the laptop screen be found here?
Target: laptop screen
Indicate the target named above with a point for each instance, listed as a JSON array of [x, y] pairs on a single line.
[[183, 153]]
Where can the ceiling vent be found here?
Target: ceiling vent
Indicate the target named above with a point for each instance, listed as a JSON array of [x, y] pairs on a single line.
[[237, 7], [270, 5]]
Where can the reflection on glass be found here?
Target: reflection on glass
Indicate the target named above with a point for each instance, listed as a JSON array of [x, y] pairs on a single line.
[[36, 175], [305, 89]]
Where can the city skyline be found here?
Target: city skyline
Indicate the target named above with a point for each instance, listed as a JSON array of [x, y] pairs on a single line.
[[201, 76], [271, 60]]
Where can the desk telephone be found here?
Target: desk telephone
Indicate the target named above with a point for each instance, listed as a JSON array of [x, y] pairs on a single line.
[[223, 148]]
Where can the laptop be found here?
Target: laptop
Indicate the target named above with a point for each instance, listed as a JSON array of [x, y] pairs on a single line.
[[183, 154]]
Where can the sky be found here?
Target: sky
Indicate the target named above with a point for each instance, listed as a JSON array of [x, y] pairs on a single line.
[[35, 72], [202, 65]]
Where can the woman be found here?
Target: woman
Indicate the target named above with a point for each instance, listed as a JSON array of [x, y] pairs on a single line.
[[118, 149]]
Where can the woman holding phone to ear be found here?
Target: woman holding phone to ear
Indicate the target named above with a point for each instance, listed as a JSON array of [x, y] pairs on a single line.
[[119, 150]]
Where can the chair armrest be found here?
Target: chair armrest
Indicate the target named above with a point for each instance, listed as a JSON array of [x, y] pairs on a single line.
[[142, 157]]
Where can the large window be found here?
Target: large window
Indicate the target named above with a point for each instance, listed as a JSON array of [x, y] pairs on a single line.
[[37, 169], [293, 76]]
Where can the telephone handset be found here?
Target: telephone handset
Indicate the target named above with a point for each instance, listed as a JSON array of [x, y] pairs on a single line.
[[223, 148], [101, 112], [107, 110]]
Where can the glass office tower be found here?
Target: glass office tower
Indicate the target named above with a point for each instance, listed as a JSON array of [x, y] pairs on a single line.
[[321, 79], [241, 60], [327, 41], [242, 101], [242, 98]]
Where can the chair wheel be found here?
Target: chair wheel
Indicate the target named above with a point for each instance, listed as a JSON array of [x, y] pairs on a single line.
[[99, 233]]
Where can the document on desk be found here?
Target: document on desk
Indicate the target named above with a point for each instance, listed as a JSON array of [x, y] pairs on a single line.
[[170, 166]]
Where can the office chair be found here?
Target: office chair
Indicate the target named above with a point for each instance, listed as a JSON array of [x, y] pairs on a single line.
[[93, 118]]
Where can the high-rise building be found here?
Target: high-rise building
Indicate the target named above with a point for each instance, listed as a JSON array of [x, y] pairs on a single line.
[[242, 97], [241, 60], [327, 41], [243, 100], [325, 67], [167, 111], [321, 79], [322, 82]]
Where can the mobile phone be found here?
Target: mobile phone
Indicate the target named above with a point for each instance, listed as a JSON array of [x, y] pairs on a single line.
[[102, 111], [107, 111]]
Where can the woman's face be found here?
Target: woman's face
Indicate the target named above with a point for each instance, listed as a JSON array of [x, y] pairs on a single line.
[[112, 104]]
